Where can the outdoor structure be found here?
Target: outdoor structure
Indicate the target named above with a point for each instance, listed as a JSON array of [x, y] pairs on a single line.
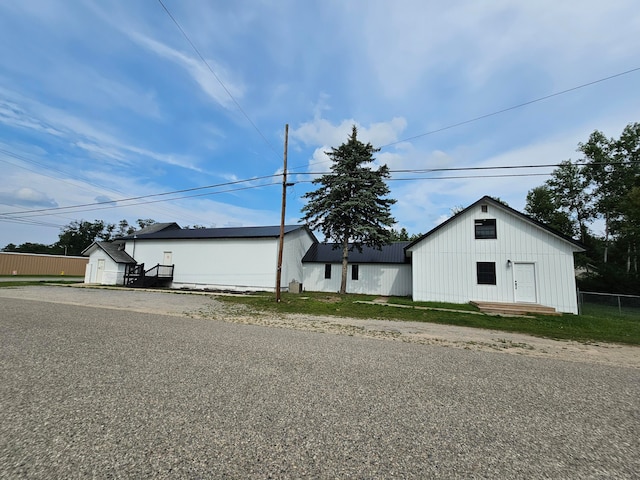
[[488, 252], [238, 258], [12, 263], [372, 271], [493, 253], [107, 263]]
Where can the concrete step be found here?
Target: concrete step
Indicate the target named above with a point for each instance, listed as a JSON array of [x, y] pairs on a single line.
[[514, 308]]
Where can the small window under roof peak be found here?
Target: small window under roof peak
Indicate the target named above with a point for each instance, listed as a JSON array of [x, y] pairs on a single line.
[[484, 208]]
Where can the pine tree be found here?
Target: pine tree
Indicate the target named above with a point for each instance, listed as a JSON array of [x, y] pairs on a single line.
[[350, 204]]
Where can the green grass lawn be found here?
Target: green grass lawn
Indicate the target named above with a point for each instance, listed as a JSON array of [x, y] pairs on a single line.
[[587, 328]]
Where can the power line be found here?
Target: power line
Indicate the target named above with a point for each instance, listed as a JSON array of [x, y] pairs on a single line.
[[546, 97], [42, 165], [501, 167], [24, 221], [149, 196], [216, 77], [454, 177], [113, 204], [472, 176], [498, 112], [38, 213]]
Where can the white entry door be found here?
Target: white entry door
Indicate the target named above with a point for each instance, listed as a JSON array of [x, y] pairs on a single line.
[[168, 258], [524, 282], [100, 270]]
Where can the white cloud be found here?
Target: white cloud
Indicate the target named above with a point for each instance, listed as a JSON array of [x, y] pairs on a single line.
[[26, 197], [320, 131], [410, 42], [219, 85]]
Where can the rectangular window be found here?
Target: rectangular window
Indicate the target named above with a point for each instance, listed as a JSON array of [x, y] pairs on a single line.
[[484, 208], [354, 272], [486, 272], [486, 228], [327, 270]]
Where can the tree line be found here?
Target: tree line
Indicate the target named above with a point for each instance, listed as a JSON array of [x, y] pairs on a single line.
[[604, 185], [79, 234]]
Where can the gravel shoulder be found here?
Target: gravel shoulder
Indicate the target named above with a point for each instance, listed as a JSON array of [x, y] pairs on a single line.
[[205, 306]]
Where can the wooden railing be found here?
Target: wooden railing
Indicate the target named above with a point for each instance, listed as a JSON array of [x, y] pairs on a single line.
[[136, 276]]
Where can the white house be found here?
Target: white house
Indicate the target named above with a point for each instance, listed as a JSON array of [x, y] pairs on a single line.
[[107, 263], [371, 271], [237, 258], [491, 252], [488, 252]]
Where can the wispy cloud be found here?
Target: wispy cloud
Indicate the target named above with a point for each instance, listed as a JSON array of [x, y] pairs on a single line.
[[109, 100], [218, 90]]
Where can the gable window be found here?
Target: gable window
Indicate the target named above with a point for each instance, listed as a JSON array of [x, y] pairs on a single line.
[[484, 208], [486, 273], [486, 228], [327, 270], [354, 272]]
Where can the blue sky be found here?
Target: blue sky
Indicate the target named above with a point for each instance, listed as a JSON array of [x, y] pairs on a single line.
[[103, 101]]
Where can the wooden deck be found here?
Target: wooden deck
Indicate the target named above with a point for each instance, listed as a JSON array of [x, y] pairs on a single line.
[[514, 308]]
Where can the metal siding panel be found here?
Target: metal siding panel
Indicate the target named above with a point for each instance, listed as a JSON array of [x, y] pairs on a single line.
[[35, 264]]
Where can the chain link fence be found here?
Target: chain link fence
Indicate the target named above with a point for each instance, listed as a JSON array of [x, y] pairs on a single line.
[[610, 304]]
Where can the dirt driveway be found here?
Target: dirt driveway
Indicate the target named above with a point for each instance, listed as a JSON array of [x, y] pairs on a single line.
[[205, 306]]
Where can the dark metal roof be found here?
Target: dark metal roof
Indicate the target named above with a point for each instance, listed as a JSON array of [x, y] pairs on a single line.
[[157, 227], [487, 199], [207, 233], [114, 250], [326, 253]]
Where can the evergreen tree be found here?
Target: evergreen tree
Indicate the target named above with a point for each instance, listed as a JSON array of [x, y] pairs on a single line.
[[350, 204]]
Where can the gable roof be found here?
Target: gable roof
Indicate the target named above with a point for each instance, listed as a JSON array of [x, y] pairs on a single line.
[[327, 253], [488, 200], [157, 227], [209, 233], [112, 249]]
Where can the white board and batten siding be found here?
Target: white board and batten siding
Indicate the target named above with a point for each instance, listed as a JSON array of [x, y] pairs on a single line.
[[373, 279], [296, 244], [444, 262], [225, 263]]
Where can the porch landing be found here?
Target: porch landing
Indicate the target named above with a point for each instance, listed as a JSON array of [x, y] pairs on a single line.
[[514, 308]]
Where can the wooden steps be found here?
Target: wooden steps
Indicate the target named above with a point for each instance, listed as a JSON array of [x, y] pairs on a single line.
[[514, 308]]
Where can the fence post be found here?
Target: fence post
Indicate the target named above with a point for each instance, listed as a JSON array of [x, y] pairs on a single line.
[[579, 298], [619, 306]]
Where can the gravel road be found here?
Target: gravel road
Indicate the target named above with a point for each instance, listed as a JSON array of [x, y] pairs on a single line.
[[120, 393], [204, 305]]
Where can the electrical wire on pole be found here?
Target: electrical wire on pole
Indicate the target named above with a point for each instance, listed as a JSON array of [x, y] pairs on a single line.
[[282, 214]]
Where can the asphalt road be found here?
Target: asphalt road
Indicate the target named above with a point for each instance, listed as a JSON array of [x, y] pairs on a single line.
[[92, 392]]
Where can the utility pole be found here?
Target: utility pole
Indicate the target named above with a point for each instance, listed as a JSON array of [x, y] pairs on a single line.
[[282, 214]]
